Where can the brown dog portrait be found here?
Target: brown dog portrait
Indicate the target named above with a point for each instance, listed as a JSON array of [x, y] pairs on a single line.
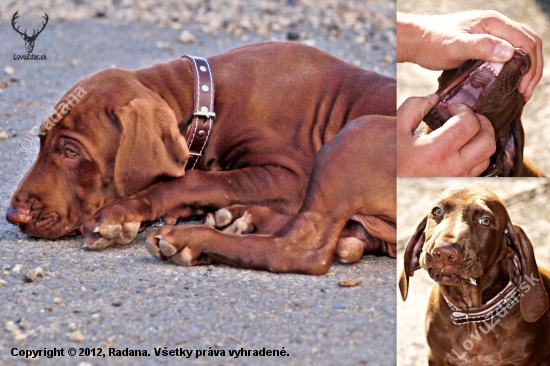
[[138, 147], [489, 303], [490, 89]]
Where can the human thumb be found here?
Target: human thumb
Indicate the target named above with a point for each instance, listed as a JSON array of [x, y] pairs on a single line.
[[484, 47]]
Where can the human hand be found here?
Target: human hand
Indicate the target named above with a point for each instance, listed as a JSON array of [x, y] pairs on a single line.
[[461, 147], [442, 42]]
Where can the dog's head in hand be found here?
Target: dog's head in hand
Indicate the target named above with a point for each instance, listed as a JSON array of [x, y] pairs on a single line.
[[490, 89]]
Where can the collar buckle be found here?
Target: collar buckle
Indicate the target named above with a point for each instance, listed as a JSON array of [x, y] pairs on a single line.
[[201, 125], [205, 114]]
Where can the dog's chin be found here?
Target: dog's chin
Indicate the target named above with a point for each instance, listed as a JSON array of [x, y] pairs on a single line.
[[49, 226], [446, 277]]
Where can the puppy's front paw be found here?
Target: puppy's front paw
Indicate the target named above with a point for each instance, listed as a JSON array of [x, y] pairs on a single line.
[[241, 225], [109, 225], [176, 242], [225, 221]]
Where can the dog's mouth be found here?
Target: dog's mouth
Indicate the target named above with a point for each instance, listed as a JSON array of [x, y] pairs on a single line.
[[453, 275], [476, 86], [447, 276], [48, 225], [39, 221]]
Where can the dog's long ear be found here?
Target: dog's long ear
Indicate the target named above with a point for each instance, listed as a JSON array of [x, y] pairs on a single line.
[[534, 300], [412, 250], [151, 145], [519, 141]]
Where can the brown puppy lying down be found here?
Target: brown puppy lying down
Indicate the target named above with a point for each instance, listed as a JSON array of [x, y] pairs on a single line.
[[483, 266], [353, 178], [117, 159], [490, 89]]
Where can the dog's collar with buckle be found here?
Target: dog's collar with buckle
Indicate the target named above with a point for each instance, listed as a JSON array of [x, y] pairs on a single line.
[[508, 297], [203, 106]]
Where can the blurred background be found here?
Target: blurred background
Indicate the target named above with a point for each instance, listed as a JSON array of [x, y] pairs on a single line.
[[367, 24]]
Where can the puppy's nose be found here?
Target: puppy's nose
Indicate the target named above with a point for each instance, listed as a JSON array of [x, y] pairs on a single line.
[[18, 215], [525, 61], [448, 253], [525, 65]]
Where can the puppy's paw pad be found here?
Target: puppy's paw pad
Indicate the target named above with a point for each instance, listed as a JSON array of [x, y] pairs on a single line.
[[151, 244], [166, 248], [110, 231], [98, 244], [128, 234], [170, 220], [242, 225], [185, 257], [210, 220], [349, 250], [223, 217]]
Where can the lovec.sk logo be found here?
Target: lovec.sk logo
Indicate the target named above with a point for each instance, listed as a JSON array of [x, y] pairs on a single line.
[[29, 39]]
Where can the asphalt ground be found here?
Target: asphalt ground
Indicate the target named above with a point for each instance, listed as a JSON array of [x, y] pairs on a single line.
[[124, 298]]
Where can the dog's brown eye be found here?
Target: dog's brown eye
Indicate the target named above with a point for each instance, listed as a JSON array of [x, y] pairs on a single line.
[[437, 211], [485, 221], [71, 153]]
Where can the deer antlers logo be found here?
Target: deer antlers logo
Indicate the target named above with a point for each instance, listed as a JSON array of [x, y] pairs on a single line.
[[29, 40]]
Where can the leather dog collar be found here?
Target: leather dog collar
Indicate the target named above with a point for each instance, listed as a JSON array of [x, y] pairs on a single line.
[[509, 295], [203, 102]]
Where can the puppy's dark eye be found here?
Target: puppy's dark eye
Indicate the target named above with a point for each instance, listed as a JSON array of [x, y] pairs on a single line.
[[485, 221], [71, 153], [437, 211]]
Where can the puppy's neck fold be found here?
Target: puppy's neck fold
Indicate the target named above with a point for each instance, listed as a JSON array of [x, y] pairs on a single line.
[[494, 279]]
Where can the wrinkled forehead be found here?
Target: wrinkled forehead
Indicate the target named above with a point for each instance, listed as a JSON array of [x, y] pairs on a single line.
[[474, 196]]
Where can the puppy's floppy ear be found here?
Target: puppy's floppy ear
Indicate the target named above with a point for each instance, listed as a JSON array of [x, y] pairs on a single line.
[[151, 145], [534, 300], [412, 251], [519, 142]]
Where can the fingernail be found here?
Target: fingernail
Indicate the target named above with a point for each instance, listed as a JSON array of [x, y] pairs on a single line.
[[502, 51], [432, 96]]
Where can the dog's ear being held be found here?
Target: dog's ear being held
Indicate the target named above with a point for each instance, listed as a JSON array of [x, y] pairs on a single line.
[[149, 133], [411, 256], [534, 300], [519, 142]]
